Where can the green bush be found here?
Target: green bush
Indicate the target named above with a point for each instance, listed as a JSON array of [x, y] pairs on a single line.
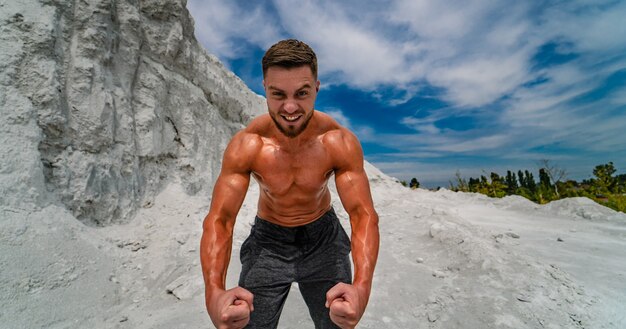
[[605, 188], [615, 201]]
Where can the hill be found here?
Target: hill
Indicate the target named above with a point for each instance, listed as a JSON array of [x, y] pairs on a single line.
[[113, 124]]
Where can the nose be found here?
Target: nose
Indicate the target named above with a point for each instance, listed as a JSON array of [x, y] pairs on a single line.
[[290, 106]]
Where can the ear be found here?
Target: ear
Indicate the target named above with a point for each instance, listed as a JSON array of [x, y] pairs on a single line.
[[263, 83], [317, 86]]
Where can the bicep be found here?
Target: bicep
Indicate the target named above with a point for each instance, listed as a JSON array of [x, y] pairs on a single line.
[[232, 184], [351, 178], [228, 194], [354, 192]]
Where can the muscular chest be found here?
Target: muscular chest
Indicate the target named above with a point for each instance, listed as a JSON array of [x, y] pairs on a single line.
[[283, 172]]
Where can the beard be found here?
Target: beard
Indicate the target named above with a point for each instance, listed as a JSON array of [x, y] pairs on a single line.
[[292, 131]]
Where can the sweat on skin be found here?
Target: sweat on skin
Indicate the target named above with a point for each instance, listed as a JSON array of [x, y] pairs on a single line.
[[292, 152]]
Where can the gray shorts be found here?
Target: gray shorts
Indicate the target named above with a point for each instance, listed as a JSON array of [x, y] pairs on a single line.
[[315, 255]]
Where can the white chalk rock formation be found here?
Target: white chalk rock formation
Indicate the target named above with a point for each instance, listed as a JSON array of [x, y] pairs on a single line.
[[110, 110], [103, 102]]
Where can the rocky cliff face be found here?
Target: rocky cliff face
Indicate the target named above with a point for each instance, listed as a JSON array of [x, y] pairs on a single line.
[[104, 101]]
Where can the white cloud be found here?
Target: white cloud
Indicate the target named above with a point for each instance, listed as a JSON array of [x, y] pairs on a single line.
[[424, 125], [440, 144], [479, 82], [479, 53], [618, 97], [338, 115], [482, 143], [592, 27], [360, 56], [219, 24]]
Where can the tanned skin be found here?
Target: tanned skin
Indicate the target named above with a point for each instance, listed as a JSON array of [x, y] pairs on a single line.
[[292, 152]]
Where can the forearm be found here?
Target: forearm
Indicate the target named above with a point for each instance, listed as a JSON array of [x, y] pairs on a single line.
[[215, 251], [365, 243]]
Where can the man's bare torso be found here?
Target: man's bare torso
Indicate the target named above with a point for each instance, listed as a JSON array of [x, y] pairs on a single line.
[[293, 173], [292, 152]]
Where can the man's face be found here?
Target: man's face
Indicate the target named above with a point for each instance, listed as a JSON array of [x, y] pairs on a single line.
[[290, 97]]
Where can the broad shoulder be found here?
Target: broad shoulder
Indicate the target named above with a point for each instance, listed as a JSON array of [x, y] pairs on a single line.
[[341, 139], [242, 150], [343, 145], [245, 141]]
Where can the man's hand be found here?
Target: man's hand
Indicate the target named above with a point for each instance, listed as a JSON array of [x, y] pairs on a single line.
[[346, 306], [230, 309]]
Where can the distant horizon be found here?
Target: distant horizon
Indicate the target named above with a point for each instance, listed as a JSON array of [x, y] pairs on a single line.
[[435, 88], [487, 174]]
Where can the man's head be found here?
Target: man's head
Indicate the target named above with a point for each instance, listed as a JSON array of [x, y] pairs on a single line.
[[291, 85], [290, 53]]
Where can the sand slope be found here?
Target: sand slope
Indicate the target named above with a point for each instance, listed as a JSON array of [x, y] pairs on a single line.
[[113, 115], [447, 260]]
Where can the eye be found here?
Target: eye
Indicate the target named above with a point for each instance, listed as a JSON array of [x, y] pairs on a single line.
[[302, 93], [277, 94]]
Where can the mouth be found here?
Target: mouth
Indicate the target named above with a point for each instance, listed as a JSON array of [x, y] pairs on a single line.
[[291, 118], [291, 124]]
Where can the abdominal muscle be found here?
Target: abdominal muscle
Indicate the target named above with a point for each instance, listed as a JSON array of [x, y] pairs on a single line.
[[293, 206], [293, 180]]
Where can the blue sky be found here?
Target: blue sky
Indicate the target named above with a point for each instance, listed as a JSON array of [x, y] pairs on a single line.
[[435, 87]]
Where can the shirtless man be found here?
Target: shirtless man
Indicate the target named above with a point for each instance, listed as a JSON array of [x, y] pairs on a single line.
[[292, 152]]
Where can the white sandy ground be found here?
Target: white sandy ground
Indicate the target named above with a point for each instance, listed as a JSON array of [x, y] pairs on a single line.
[[447, 260]]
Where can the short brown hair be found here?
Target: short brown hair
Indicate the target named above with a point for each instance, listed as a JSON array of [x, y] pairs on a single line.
[[290, 53]]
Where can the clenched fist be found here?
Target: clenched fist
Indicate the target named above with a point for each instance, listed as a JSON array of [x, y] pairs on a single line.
[[230, 309], [346, 306]]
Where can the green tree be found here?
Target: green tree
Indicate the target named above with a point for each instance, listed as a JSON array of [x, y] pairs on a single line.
[[554, 173], [544, 179], [605, 188], [621, 183], [605, 182], [473, 184], [497, 188], [483, 185], [544, 192], [511, 183], [530, 181], [414, 183]]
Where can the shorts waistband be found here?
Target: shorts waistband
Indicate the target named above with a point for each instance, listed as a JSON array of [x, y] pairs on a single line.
[[306, 231]]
